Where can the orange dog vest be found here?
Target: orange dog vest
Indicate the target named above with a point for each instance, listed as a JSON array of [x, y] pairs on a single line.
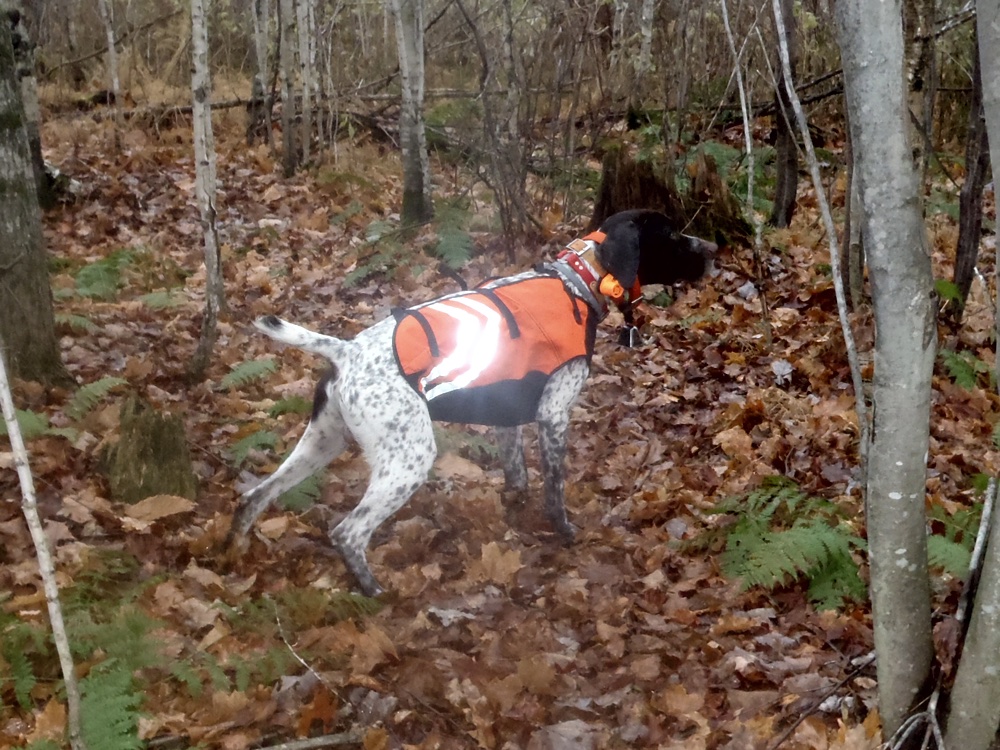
[[484, 356]]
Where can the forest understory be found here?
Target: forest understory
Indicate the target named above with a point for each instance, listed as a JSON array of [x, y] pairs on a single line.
[[495, 635]]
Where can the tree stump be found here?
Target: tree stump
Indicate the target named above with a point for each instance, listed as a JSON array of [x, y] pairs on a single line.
[[151, 457], [708, 210]]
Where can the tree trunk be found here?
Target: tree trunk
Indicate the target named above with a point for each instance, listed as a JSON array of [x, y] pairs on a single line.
[[286, 67], [409, 18], [970, 221], [918, 38], [205, 186], [975, 698], [787, 156], [260, 112], [108, 18], [871, 42], [306, 73], [26, 319]]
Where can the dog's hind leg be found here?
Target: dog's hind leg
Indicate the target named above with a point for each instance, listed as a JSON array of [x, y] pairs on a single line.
[[324, 439], [394, 429], [515, 475], [553, 425]]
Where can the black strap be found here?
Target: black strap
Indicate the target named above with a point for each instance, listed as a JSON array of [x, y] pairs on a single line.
[[515, 331], [419, 317]]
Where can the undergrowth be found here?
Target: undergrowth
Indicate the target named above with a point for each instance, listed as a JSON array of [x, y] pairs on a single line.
[[778, 534], [120, 645]]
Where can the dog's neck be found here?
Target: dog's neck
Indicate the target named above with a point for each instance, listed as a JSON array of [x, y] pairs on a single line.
[[578, 264]]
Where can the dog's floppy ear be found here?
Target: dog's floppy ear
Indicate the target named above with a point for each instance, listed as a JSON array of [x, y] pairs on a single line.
[[619, 253]]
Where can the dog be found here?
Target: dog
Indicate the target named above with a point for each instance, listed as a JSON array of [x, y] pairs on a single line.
[[511, 351]]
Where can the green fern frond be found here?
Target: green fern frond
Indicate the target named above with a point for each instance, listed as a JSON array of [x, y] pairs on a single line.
[[109, 708], [32, 425], [832, 585], [22, 674], [963, 367], [246, 372], [85, 399], [346, 605], [186, 674], [102, 278], [77, 322], [290, 405], [258, 440], [304, 494], [454, 246], [163, 299], [951, 556], [42, 745]]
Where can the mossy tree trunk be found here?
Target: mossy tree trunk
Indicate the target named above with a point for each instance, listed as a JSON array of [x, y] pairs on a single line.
[[26, 318]]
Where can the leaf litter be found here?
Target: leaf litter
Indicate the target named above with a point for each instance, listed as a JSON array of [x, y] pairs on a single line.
[[496, 636]]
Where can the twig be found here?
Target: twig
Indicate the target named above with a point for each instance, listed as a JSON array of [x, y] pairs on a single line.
[[861, 666], [299, 659], [838, 282], [748, 141], [327, 740], [46, 567]]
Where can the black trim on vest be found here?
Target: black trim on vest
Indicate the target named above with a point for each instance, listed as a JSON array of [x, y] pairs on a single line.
[[508, 316], [400, 313]]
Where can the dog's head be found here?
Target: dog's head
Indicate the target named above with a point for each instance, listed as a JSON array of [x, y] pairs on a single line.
[[643, 245]]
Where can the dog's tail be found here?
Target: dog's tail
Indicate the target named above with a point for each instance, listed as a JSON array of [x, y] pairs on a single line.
[[329, 347]]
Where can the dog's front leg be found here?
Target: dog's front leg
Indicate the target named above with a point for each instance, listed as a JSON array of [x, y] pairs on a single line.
[[553, 427]]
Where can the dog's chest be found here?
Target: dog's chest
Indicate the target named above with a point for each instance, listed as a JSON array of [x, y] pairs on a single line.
[[484, 356]]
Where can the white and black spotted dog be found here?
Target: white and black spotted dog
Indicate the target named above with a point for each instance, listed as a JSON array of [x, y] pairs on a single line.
[[511, 351]]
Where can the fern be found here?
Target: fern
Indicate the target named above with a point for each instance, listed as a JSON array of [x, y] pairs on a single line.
[[186, 674], [247, 372], [377, 230], [964, 368], [290, 405], [952, 557], [77, 322], [22, 674], [780, 534], [102, 278], [109, 708], [304, 494], [32, 425], [256, 441], [88, 397], [163, 299]]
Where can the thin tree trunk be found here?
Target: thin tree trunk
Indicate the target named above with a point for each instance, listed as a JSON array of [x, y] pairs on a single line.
[[975, 698], [46, 568], [787, 154], [261, 24], [26, 318], [205, 186], [647, 11], [409, 19], [871, 42], [970, 201], [108, 18], [286, 67], [918, 40], [306, 73]]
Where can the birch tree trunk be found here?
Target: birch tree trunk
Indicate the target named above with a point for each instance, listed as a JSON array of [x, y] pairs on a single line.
[[975, 697], [871, 42], [26, 319], [108, 18], [409, 19], [205, 185], [46, 568], [644, 65], [787, 157], [286, 71]]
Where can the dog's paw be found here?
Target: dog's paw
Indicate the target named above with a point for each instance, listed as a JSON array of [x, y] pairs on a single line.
[[269, 323]]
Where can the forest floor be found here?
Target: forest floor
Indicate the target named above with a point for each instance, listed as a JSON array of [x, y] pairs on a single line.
[[494, 636]]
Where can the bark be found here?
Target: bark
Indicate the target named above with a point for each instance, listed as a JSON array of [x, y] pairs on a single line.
[[260, 119], [644, 64], [46, 568], [108, 18], [286, 67], [970, 201], [918, 38], [205, 186], [408, 16], [787, 156], [306, 72], [871, 41], [975, 698], [26, 318]]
